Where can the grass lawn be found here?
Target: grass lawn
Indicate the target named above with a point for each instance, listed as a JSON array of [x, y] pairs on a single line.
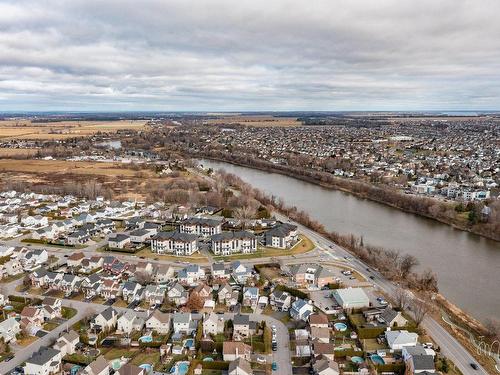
[[120, 303], [49, 326], [115, 353], [68, 312], [195, 258], [371, 344], [151, 358], [25, 341], [303, 246], [10, 279]]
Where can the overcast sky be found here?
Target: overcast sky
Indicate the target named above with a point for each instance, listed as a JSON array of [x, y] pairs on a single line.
[[249, 55]]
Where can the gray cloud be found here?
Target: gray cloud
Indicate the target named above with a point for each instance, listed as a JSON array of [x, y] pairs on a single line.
[[255, 55]]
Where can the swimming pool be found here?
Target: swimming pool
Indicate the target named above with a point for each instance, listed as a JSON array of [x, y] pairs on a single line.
[[188, 343], [357, 359], [376, 359], [340, 327], [208, 359], [146, 339], [180, 368]]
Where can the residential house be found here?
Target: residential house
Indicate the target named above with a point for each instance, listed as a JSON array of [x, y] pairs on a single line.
[[9, 328], [129, 369], [280, 300], [100, 366], [67, 343], [301, 310], [250, 296], [220, 271], [91, 286], [75, 259], [242, 326], [213, 324], [312, 274], [191, 274], [32, 316], [178, 294], [325, 366], [224, 293], [45, 361], [203, 291], [154, 294], [184, 323], [323, 349], [397, 340], [131, 291], [163, 274], [240, 366], [320, 334], [240, 272], [418, 360], [51, 308], [139, 236], [392, 318], [105, 320], [232, 350], [159, 322], [318, 321], [119, 241], [77, 238], [129, 322]]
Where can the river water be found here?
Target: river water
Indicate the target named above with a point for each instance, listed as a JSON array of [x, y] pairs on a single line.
[[467, 266]]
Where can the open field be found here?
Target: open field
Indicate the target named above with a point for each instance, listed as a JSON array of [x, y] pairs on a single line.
[[13, 152], [257, 121], [25, 129], [63, 167]]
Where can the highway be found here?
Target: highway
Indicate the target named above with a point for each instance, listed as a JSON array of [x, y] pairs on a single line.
[[449, 346]]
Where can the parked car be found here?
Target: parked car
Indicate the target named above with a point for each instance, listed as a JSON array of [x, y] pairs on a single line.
[[261, 359], [274, 366], [474, 366]]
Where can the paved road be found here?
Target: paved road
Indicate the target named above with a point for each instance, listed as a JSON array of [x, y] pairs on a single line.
[[282, 355], [450, 347]]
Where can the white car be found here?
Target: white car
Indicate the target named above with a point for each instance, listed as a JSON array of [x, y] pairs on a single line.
[[261, 359]]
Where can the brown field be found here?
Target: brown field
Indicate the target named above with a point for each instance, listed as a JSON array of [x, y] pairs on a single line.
[[257, 121], [13, 152], [56, 167], [25, 129]]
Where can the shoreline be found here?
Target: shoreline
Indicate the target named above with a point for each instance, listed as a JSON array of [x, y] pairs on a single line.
[[273, 169]]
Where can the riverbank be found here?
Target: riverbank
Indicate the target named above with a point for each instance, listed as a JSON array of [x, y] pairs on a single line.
[[361, 190]]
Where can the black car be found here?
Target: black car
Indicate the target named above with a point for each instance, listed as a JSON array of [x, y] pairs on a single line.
[[474, 366], [372, 277], [8, 358]]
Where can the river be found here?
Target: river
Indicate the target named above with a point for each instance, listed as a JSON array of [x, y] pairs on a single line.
[[467, 266]]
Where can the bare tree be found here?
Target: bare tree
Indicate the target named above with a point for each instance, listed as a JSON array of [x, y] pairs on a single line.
[[402, 298], [420, 310], [406, 264], [492, 328]]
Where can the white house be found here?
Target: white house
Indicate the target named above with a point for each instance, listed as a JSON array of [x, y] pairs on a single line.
[[159, 322], [105, 320], [9, 328], [213, 324], [227, 243], [46, 361], [129, 322], [201, 226], [66, 344], [397, 340]]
